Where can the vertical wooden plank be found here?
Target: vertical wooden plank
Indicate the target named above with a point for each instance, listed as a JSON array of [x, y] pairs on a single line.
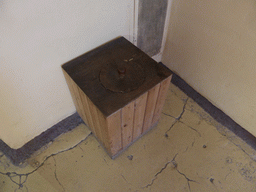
[[114, 132], [87, 111], [127, 124], [95, 119], [70, 86], [151, 103], [161, 99], [139, 112], [81, 111], [75, 96], [104, 131]]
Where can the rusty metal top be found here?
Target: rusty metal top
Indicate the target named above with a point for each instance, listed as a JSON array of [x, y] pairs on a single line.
[[122, 76], [115, 74]]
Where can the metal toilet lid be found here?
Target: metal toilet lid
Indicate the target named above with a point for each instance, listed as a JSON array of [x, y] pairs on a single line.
[[122, 77]]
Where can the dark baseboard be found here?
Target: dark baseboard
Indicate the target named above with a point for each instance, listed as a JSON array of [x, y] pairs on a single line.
[[215, 112], [18, 156]]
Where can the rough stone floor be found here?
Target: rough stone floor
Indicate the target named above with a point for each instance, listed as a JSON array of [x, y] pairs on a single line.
[[187, 151]]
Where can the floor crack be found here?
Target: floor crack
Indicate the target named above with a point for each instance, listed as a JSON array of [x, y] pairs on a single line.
[[171, 127], [178, 120], [125, 179], [193, 142], [192, 128], [21, 182], [81, 148], [175, 165], [162, 169], [183, 109], [169, 115], [55, 174], [188, 180]]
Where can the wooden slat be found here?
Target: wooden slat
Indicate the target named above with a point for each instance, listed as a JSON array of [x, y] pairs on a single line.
[[139, 112], [104, 131], [161, 99], [95, 120], [127, 124], [75, 96], [151, 103], [80, 103], [114, 132], [87, 111]]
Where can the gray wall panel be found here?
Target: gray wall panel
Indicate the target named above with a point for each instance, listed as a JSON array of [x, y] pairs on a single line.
[[151, 20]]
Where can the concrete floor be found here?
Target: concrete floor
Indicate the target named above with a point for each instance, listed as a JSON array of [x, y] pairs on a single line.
[[187, 151]]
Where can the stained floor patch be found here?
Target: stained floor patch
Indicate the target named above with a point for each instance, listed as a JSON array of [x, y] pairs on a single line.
[[187, 151]]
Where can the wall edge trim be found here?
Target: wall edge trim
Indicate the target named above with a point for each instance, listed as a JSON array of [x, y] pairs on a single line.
[[18, 156], [215, 112]]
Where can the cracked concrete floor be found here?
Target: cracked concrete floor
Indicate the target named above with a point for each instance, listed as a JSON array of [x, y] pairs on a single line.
[[187, 151]]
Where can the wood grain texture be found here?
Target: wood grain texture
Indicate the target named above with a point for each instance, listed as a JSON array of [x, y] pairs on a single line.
[[117, 115], [75, 97], [127, 124], [95, 120], [104, 131], [164, 85], [114, 132], [139, 112], [86, 110], [151, 104]]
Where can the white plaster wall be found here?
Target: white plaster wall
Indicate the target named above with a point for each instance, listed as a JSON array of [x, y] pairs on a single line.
[[36, 38], [212, 46]]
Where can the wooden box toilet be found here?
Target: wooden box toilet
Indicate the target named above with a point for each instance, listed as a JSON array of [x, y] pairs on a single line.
[[118, 91]]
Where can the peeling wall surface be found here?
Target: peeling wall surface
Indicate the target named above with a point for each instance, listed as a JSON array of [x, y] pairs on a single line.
[[151, 22], [37, 37], [211, 45]]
